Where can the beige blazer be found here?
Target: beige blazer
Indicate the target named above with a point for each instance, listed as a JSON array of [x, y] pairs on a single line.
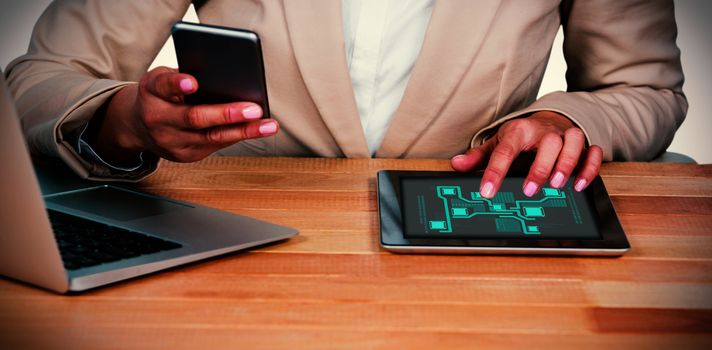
[[481, 64]]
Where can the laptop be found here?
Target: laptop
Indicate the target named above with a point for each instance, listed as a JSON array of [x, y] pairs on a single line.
[[82, 237]]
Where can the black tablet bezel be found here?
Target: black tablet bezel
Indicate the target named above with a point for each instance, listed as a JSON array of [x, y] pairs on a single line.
[[389, 184]]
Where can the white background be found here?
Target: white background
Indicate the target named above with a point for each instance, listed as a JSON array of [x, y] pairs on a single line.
[[693, 138]]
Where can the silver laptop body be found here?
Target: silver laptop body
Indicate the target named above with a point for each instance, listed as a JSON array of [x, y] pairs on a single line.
[[29, 252]]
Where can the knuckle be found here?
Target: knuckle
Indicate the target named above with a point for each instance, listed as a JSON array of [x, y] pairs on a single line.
[[225, 135], [520, 123], [520, 130], [553, 139], [495, 172], [592, 166], [575, 133], [227, 118], [241, 133], [214, 135], [575, 139], [517, 128], [595, 157], [567, 164], [597, 152], [194, 118], [149, 119], [161, 138], [151, 80], [539, 173], [504, 150]]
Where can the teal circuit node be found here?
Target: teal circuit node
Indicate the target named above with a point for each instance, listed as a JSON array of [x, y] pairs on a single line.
[[449, 191], [551, 192], [534, 212], [509, 214], [437, 225], [459, 211]]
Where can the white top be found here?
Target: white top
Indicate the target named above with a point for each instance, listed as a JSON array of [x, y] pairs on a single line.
[[383, 39]]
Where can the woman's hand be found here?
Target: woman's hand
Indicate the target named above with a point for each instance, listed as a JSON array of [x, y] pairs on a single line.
[[559, 146], [152, 116]]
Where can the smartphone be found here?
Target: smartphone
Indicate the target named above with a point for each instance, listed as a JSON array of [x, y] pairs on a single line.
[[227, 62]]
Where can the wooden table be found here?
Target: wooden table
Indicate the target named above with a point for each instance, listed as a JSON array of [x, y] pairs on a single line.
[[333, 286]]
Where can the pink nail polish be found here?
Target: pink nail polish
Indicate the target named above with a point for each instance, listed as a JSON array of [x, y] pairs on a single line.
[[458, 161], [252, 112], [487, 190], [458, 158], [557, 180], [186, 85], [268, 128], [530, 189], [580, 185]]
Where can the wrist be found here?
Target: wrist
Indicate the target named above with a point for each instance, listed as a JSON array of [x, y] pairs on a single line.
[[110, 132]]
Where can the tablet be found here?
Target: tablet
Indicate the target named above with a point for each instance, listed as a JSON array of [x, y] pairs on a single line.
[[443, 212]]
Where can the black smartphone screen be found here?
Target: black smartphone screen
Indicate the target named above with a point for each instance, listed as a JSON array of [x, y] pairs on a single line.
[[227, 62]]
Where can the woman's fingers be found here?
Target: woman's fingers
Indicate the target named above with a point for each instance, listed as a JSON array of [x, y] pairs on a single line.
[[590, 168], [501, 158], [548, 152], [207, 116], [193, 145], [227, 135], [559, 146], [574, 141]]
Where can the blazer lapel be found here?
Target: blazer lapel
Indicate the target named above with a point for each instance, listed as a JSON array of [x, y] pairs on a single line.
[[316, 33], [455, 33]]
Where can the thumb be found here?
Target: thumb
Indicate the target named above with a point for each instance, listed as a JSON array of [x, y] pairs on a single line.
[[474, 158], [168, 83]]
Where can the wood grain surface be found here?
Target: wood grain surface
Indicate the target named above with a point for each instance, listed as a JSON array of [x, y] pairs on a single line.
[[333, 287]]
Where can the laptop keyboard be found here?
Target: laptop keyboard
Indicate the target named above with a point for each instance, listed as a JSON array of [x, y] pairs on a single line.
[[83, 243]]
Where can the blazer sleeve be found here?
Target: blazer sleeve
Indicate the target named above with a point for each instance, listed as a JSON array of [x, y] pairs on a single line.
[[80, 54], [624, 77]]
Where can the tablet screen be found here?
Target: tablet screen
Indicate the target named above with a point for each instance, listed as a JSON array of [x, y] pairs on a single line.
[[440, 207]]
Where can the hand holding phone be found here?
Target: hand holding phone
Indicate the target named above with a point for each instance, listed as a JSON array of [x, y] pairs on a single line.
[[152, 117], [224, 105]]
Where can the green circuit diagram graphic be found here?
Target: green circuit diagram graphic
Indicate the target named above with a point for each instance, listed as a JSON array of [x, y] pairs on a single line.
[[509, 214]]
